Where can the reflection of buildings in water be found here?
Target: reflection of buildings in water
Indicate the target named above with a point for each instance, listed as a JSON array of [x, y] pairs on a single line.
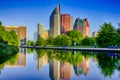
[[60, 71], [66, 71], [42, 61], [21, 60], [83, 67], [54, 69]]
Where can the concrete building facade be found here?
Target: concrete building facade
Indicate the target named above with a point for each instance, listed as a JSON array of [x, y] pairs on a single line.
[[55, 22]]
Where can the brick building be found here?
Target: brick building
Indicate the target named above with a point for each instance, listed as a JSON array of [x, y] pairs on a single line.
[[82, 25], [20, 31]]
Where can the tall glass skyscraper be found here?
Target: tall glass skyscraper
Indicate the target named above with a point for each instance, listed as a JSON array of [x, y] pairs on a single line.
[[55, 22]]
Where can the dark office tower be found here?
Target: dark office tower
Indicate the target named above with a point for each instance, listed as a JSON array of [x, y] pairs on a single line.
[[82, 25], [55, 22]]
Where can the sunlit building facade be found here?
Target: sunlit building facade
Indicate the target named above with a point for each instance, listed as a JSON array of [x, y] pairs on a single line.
[[66, 23], [20, 31], [42, 32], [83, 26]]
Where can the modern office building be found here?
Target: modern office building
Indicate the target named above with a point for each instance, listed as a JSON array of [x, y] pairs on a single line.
[[20, 31], [42, 32], [66, 23], [36, 36], [55, 22], [82, 25], [71, 22]]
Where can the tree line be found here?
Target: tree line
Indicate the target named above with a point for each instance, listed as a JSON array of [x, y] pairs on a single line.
[[107, 36], [72, 38]]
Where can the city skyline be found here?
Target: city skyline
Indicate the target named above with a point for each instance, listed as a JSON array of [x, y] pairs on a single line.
[[30, 13]]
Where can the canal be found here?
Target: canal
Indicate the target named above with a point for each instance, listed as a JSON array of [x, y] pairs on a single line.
[[44, 64]]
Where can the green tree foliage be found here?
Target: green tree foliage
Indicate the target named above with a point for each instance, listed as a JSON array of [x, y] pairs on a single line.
[[30, 43], [106, 36], [86, 41], [118, 35], [30, 50], [108, 64], [40, 42], [62, 40], [75, 36], [50, 40], [6, 51], [13, 38], [0, 23], [9, 37]]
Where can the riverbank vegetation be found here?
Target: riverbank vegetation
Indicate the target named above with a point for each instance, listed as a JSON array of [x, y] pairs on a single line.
[[8, 43], [107, 36]]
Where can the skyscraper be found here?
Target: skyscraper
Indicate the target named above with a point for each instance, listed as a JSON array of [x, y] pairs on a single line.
[[82, 25], [66, 23], [42, 32], [71, 22], [55, 22]]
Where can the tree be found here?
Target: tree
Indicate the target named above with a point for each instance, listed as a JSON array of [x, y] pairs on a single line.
[[50, 40], [40, 42], [108, 64], [0, 23], [106, 36], [10, 37], [13, 40], [63, 40], [75, 36], [28, 42], [118, 35], [86, 41]]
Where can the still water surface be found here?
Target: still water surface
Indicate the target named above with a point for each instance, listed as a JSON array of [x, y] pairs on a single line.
[[61, 65]]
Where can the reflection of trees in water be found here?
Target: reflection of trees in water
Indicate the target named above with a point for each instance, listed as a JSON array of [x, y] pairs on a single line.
[[8, 60], [63, 56], [30, 50], [108, 64]]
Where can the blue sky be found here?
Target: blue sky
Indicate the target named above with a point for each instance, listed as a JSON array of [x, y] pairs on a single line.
[[32, 12]]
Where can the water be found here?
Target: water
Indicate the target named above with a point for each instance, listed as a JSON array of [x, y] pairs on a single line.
[[61, 65]]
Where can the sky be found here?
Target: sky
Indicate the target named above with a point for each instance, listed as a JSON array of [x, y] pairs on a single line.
[[31, 12]]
